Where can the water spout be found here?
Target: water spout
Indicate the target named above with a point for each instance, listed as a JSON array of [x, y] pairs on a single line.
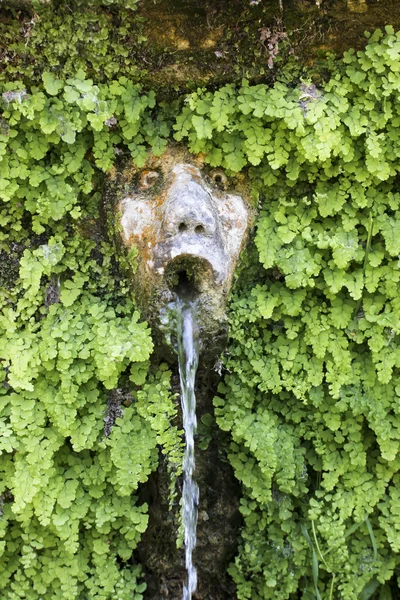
[[186, 232], [185, 287], [188, 361]]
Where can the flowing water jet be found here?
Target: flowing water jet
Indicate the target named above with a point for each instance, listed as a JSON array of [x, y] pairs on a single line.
[[180, 324], [188, 361]]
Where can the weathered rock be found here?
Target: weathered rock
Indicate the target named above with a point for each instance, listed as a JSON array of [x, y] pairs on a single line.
[[194, 43], [179, 45], [359, 6], [188, 228]]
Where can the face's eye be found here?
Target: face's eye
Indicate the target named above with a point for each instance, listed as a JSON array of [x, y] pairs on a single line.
[[147, 179], [220, 179]]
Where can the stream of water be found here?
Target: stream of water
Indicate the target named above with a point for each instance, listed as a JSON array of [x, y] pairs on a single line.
[[188, 361]]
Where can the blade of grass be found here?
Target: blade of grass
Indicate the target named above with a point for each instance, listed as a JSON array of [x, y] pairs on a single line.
[[314, 561], [315, 573], [369, 589], [372, 536], [353, 528], [331, 588], [367, 249], [306, 535], [317, 545], [368, 245]]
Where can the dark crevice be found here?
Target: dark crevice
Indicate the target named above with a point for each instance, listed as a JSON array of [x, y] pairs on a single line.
[[185, 276], [185, 287]]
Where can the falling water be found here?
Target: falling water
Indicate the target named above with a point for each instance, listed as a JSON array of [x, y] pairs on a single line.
[[188, 360]]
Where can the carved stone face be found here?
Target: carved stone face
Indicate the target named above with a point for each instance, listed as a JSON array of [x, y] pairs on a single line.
[[188, 231]]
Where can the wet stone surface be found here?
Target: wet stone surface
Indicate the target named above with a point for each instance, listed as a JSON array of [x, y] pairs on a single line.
[[187, 228]]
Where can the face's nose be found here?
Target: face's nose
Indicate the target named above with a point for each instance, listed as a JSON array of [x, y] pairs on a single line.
[[189, 209]]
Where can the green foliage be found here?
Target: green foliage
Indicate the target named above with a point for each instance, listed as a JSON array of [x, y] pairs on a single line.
[[69, 336], [99, 36], [310, 395]]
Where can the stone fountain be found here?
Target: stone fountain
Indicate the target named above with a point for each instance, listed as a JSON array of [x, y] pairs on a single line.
[[184, 226]]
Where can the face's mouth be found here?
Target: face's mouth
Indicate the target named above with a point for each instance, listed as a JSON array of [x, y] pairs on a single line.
[[186, 276]]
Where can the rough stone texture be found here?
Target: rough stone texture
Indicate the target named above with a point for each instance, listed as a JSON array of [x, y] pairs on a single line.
[[359, 6], [211, 42], [179, 45], [188, 228]]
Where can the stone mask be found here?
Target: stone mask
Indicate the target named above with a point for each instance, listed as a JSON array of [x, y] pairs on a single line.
[[188, 232]]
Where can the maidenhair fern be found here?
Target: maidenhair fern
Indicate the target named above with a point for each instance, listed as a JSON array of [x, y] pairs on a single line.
[[310, 395]]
